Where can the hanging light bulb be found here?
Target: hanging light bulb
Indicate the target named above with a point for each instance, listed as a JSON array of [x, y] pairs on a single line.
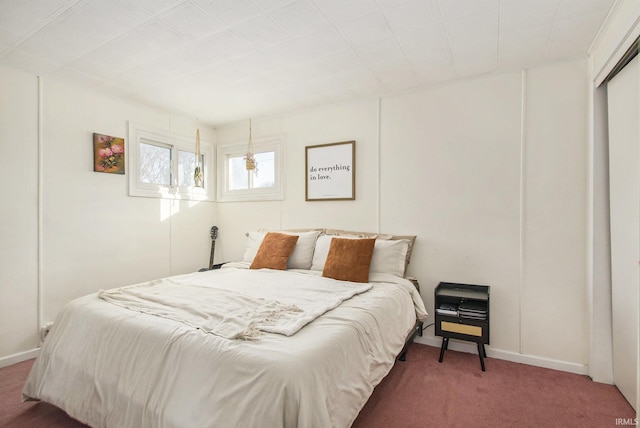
[[250, 160], [197, 172]]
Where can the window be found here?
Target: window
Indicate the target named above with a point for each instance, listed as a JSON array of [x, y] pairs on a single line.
[[237, 184], [154, 164], [161, 165], [186, 166]]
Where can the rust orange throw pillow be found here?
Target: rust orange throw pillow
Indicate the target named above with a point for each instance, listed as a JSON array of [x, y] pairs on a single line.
[[274, 251], [349, 259]]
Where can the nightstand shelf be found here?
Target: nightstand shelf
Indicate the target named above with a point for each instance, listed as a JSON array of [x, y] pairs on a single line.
[[462, 312]]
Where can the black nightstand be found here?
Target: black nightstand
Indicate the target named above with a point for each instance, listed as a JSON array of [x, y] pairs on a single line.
[[462, 312]]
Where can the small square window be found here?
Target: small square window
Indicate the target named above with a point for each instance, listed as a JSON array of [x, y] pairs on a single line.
[[155, 164], [266, 176], [236, 183], [186, 167], [238, 174]]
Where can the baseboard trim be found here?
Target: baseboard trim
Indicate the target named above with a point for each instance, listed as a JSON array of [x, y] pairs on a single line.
[[515, 357], [19, 357]]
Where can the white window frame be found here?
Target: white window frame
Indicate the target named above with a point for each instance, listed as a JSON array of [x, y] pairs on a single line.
[[267, 144], [143, 134]]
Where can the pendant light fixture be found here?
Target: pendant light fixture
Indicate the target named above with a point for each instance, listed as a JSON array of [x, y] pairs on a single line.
[[250, 160], [197, 172]]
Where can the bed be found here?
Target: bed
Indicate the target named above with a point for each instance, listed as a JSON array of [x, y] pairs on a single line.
[[119, 358]]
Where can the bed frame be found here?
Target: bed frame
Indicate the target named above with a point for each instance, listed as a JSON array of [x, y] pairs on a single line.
[[415, 331]]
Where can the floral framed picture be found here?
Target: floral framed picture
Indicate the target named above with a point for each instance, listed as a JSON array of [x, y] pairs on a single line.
[[108, 154]]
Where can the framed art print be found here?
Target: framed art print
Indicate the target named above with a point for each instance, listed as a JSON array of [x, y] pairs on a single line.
[[108, 154], [330, 172]]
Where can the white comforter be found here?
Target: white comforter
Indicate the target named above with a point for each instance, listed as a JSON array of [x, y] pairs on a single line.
[[109, 366], [240, 303]]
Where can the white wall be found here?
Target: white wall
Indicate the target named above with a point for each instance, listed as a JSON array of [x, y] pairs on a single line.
[[18, 211], [94, 235], [554, 225], [491, 175], [352, 121], [451, 175], [496, 197]]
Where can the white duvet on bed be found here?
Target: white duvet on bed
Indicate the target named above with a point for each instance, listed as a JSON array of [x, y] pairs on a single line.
[[109, 366]]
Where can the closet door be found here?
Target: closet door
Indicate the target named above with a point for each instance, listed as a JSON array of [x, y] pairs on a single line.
[[624, 175]]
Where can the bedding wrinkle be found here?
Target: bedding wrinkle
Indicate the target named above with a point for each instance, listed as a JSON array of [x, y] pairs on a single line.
[[221, 312], [252, 302]]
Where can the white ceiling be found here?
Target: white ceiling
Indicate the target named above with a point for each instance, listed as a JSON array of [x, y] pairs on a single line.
[[226, 60]]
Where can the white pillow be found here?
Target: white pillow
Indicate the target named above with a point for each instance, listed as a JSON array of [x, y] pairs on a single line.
[[302, 253], [389, 255], [320, 253], [254, 239]]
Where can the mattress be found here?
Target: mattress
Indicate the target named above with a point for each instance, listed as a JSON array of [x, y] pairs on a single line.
[[110, 366]]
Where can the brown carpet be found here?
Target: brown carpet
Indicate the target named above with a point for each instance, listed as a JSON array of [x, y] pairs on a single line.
[[419, 393]]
